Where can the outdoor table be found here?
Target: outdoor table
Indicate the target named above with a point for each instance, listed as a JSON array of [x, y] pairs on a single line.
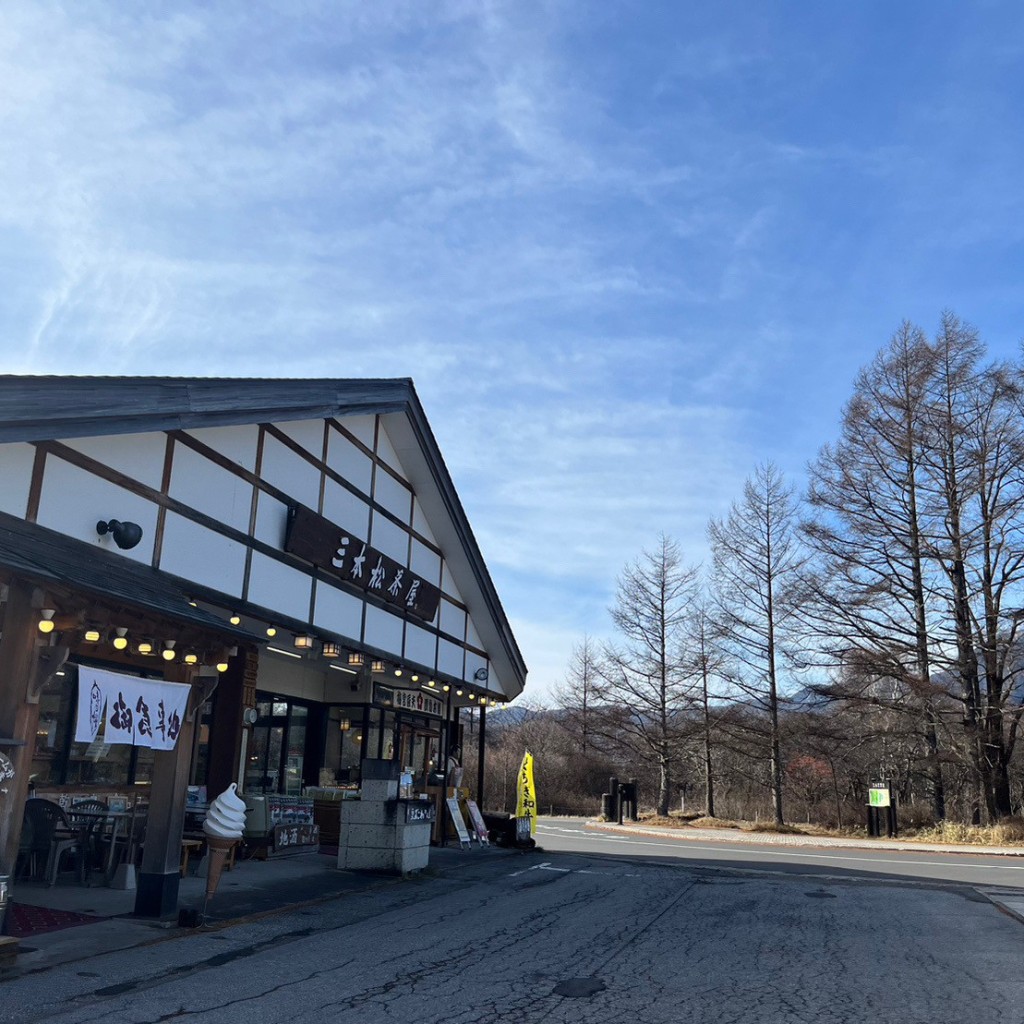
[[117, 819]]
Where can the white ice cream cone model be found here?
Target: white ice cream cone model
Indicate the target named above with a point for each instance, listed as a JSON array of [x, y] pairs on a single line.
[[224, 825]]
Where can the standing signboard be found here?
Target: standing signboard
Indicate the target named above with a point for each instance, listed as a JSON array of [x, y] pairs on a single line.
[[458, 821], [477, 820]]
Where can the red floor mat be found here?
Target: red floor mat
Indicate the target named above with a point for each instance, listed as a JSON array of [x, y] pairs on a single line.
[[24, 920]]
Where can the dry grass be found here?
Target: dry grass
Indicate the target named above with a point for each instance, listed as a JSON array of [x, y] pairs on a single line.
[[1008, 832], [771, 826]]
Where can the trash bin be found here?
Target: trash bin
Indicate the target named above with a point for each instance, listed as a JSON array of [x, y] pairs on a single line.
[[5, 888]]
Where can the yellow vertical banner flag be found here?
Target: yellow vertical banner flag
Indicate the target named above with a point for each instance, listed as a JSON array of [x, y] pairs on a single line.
[[526, 795]]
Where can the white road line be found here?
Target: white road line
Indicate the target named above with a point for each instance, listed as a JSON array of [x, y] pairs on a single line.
[[762, 852]]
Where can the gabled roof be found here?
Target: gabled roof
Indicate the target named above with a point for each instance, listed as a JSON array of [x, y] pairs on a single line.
[[51, 408]]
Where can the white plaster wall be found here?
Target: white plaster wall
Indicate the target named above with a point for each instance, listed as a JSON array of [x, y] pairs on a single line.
[[393, 496], [239, 444], [290, 473], [348, 461], [308, 433], [140, 456], [383, 630], [387, 453], [473, 662], [279, 587], [420, 646], [72, 501], [205, 486], [448, 584], [449, 659], [346, 510], [338, 611], [453, 620], [425, 563], [472, 636], [271, 520], [196, 553], [362, 426], [420, 524], [391, 539], [16, 461]]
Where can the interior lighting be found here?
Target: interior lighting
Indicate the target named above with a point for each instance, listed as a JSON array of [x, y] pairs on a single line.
[[281, 650], [46, 624], [345, 725], [222, 666], [120, 641]]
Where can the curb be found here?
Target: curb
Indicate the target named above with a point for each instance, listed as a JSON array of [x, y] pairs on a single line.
[[729, 835]]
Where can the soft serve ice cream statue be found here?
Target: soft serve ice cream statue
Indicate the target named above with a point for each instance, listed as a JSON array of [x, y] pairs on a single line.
[[225, 818]]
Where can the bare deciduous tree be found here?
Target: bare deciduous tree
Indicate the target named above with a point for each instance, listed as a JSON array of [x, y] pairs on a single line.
[[757, 560], [644, 690]]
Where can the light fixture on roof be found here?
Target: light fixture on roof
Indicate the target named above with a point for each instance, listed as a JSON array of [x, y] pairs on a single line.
[[331, 649], [126, 535], [304, 642], [235, 619], [459, 692], [472, 696], [356, 658], [168, 653], [431, 683], [46, 623], [416, 679], [191, 658], [446, 687], [145, 647], [483, 700], [91, 635], [120, 641], [271, 630], [222, 665], [377, 666], [398, 671]]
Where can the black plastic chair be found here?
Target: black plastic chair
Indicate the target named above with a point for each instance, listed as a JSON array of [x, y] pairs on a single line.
[[93, 827], [53, 835]]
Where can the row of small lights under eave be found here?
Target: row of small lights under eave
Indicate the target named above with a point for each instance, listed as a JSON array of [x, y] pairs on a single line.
[[305, 643], [146, 646]]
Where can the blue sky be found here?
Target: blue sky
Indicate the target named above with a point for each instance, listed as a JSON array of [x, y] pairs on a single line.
[[626, 251]]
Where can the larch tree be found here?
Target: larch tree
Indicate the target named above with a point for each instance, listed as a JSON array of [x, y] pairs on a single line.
[[757, 561], [873, 604], [644, 691]]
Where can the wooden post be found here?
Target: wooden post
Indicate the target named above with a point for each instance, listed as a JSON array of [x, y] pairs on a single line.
[[156, 893], [18, 717], [480, 756]]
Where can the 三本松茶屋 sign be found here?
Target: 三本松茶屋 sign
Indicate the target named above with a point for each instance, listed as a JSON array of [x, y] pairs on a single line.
[[139, 712]]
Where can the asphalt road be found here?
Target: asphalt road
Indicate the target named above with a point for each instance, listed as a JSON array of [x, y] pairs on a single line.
[[555, 937], [570, 835]]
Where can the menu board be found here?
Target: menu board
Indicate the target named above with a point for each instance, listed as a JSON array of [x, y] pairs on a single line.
[[457, 820], [477, 820]]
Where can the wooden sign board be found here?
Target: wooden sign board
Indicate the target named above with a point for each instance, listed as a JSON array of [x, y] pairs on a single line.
[[477, 820], [458, 821]]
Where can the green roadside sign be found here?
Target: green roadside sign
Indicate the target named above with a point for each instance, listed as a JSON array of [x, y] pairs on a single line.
[[878, 797]]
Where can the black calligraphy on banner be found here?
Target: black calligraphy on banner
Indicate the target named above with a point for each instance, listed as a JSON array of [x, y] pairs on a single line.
[[145, 726], [121, 714], [352, 560]]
